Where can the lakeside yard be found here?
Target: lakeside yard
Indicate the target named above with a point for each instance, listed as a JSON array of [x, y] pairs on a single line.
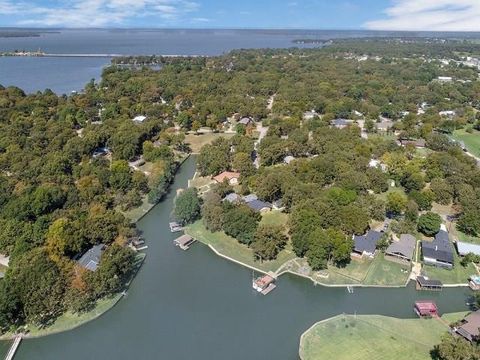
[[457, 275], [472, 141], [230, 247], [370, 337], [375, 272]]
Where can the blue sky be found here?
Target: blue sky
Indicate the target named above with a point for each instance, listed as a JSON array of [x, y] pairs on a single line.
[[441, 15]]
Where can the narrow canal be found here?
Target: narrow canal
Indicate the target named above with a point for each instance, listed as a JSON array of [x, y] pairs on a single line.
[[195, 305]]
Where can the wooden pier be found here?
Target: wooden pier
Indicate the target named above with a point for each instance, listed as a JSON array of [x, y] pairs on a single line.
[[13, 348]]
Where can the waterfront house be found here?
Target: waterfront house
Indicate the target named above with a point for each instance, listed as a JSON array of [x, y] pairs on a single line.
[[425, 308], [470, 326], [402, 249], [365, 245], [139, 119], [464, 248], [184, 242], [439, 251], [91, 258], [231, 177]]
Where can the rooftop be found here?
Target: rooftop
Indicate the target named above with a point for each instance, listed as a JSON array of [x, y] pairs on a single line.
[[258, 205], [466, 248], [426, 306], [245, 120], [91, 258], [405, 246], [226, 175], [471, 324], [368, 242], [428, 282], [439, 249], [183, 240]]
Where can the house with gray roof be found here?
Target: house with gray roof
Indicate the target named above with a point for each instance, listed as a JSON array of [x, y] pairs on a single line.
[[366, 245], [470, 327], [464, 248], [438, 252], [402, 249], [245, 121], [259, 205], [91, 258]]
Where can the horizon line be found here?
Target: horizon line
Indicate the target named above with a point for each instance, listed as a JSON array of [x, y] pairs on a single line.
[[235, 29]]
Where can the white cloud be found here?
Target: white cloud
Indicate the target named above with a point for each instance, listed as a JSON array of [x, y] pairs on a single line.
[[95, 13], [201, 19], [430, 15]]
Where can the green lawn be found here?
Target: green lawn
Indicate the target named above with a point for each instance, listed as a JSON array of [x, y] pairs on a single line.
[[230, 247], [385, 272], [472, 141], [354, 273], [137, 213], [274, 217], [378, 271], [373, 337], [458, 275], [196, 142]]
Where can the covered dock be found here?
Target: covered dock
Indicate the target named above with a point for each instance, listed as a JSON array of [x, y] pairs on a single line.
[[425, 308], [424, 283], [264, 284], [184, 242]]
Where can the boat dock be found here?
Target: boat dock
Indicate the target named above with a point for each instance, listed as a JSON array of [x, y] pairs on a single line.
[[264, 284], [184, 242], [428, 284], [13, 348]]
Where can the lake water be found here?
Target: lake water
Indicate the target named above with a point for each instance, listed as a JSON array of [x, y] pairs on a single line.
[[66, 75], [196, 305]]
